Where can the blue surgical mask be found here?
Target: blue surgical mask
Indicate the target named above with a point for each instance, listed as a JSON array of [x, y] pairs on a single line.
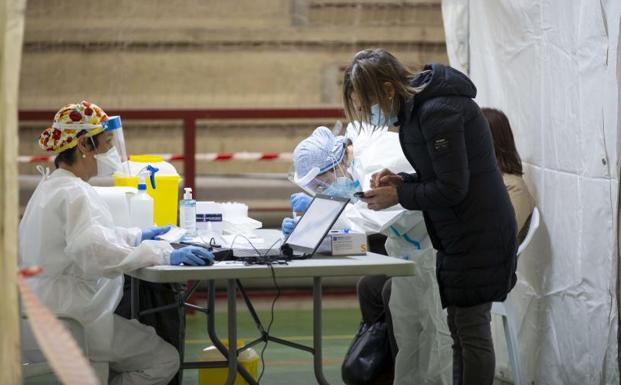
[[379, 119], [345, 188]]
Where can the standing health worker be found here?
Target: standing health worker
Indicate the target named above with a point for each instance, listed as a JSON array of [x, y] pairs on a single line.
[[458, 186], [67, 229]]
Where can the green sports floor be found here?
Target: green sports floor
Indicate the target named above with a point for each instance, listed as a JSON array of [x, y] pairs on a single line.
[[292, 321]]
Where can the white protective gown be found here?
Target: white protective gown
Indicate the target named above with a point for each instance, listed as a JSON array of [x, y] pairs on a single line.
[[67, 229], [419, 322]]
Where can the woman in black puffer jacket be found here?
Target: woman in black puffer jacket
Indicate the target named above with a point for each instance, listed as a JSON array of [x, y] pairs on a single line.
[[457, 185]]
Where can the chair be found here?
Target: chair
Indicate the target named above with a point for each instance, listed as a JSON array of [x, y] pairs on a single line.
[[501, 308]]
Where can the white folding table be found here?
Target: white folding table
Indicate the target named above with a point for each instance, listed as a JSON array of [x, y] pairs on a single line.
[[316, 267]]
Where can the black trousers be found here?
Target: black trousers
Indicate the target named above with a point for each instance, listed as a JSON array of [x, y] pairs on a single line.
[[473, 350]]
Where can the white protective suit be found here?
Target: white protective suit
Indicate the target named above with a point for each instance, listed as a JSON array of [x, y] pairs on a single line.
[[419, 322], [67, 229]]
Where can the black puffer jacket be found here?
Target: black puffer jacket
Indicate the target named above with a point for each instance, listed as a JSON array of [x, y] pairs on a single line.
[[459, 188]]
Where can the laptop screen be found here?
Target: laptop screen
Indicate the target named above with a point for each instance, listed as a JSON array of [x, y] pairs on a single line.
[[316, 222]]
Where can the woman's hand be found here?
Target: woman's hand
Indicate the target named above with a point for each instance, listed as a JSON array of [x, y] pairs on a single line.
[[300, 202], [381, 197], [154, 232], [287, 225], [192, 256], [385, 178]]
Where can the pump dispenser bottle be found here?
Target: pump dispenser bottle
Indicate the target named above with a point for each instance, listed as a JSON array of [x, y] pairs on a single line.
[[187, 213], [141, 206]]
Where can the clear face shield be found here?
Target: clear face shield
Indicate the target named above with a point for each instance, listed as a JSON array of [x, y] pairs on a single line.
[[336, 181], [114, 126]]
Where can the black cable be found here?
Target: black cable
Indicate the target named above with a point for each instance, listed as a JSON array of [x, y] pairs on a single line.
[[252, 245], [267, 260], [269, 326]]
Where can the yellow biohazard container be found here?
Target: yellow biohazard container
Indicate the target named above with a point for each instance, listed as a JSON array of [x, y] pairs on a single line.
[[166, 193], [248, 358]]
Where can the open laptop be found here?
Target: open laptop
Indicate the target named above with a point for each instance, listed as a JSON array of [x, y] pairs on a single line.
[[308, 232]]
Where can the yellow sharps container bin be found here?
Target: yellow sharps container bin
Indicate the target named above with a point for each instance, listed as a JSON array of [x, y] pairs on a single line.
[[166, 193], [248, 358]]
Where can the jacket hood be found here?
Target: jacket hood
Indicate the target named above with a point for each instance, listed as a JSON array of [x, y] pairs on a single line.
[[441, 80]]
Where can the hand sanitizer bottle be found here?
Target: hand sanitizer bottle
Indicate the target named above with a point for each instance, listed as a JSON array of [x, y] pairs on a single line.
[[187, 213]]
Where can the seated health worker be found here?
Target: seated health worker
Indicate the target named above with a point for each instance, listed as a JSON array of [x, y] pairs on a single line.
[[67, 229], [341, 165], [510, 165]]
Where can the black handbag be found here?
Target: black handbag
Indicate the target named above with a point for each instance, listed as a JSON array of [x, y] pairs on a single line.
[[368, 356]]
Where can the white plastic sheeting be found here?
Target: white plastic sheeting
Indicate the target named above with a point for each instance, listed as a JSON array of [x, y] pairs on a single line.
[[551, 66]]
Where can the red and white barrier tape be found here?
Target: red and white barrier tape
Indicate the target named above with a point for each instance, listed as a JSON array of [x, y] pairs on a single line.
[[206, 157]]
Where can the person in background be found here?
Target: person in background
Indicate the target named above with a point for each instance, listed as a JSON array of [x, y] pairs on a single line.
[[457, 185], [510, 166], [68, 230], [341, 165]]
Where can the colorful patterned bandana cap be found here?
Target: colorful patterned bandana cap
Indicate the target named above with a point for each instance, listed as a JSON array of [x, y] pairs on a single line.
[[71, 122]]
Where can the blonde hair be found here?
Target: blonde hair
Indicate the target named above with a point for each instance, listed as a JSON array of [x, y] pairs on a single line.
[[365, 77]]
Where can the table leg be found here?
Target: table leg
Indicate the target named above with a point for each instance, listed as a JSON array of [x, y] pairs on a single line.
[[134, 302], [211, 319], [213, 336], [232, 326], [317, 357], [181, 342]]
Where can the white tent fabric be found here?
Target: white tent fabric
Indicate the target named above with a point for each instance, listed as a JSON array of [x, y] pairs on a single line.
[[551, 66]]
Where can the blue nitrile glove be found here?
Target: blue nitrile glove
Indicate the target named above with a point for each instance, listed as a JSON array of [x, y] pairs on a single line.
[[192, 255], [287, 225], [153, 232], [300, 202]]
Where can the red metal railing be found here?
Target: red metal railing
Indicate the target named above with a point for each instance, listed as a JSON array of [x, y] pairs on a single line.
[[189, 118]]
